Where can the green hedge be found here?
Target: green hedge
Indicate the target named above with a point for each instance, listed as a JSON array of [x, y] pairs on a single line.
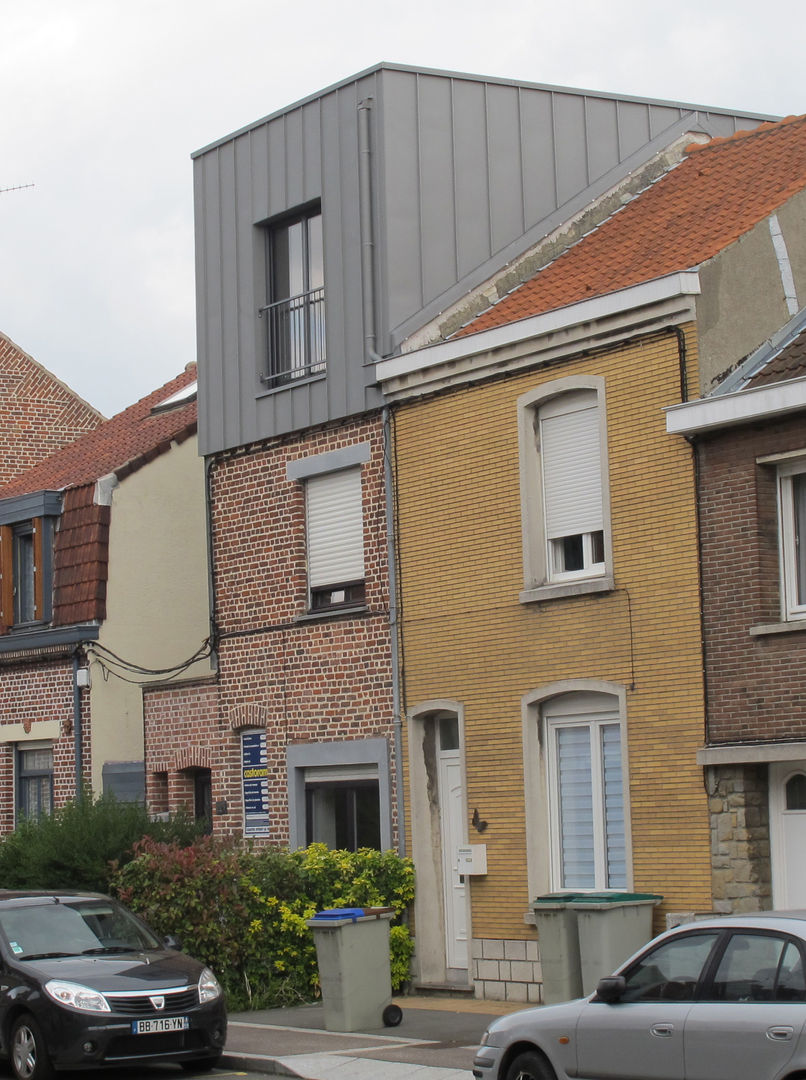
[[76, 845], [244, 912]]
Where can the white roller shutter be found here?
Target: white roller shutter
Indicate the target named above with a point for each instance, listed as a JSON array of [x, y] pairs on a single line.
[[335, 529], [572, 469]]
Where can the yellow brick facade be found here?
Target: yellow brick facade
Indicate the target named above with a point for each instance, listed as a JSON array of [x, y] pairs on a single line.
[[467, 637]]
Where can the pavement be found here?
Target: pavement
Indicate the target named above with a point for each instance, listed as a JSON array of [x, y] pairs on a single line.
[[435, 1040]]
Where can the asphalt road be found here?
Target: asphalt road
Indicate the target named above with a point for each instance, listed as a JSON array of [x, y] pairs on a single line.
[[143, 1072]]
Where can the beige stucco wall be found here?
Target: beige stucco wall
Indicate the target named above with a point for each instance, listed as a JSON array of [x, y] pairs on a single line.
[[742, 301], [157, 597]]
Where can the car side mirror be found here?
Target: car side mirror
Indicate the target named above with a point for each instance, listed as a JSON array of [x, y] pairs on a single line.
[[170, 942], [611, 990]]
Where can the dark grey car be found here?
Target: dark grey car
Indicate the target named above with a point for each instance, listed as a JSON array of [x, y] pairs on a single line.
[[721, 999], [85, 984]]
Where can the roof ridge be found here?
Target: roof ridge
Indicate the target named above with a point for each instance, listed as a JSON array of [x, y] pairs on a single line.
[[746, 133]]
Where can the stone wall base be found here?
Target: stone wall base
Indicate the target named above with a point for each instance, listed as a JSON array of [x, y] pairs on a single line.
[[507, 970]]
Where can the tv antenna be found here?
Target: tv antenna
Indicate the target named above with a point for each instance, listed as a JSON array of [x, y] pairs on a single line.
[[17, 187]]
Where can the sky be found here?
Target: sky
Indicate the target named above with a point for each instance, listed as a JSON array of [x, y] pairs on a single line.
[[103, 103]]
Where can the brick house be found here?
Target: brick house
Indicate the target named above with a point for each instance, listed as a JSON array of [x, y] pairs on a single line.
[[94, 542], [548, 559], [749, 440], [328, 234], [38, 413]]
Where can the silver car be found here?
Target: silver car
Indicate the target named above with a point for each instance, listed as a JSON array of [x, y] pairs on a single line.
[[721, 999]]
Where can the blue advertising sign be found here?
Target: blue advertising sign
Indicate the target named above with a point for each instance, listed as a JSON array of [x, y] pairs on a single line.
[[255, 770]]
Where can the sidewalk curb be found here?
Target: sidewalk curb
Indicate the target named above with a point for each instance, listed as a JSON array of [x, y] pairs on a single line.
[[256, 1063]]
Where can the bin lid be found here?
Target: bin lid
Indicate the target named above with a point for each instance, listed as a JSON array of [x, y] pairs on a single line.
[[340, 913], [557, 899], [621, 898]]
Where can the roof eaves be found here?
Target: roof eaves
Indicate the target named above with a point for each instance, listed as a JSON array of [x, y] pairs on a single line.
[[760, 357]]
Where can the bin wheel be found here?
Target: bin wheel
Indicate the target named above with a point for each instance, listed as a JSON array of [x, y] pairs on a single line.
[[392, 1015]]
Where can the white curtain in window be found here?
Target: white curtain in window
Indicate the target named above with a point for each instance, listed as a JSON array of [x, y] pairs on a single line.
[[570, 452], [335, 528]]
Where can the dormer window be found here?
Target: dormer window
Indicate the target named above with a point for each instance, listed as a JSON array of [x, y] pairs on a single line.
[[295, 313], [26, 559]]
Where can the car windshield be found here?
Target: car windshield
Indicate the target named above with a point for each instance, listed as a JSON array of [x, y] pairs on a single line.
[[71, 928]]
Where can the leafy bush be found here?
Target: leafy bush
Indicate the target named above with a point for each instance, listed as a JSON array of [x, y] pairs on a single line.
[[244, 912], [74, 847]]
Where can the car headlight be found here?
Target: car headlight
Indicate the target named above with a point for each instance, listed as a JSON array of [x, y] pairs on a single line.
[[77, 996], [209, 989], [488, 1038]]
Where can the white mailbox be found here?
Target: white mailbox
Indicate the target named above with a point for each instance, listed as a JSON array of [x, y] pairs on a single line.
[[472, 859]]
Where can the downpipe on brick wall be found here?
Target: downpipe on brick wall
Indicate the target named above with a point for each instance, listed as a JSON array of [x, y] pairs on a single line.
[[77, 730]]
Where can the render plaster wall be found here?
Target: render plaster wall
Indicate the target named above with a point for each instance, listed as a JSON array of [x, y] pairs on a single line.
[[157, 595], [742, 302]]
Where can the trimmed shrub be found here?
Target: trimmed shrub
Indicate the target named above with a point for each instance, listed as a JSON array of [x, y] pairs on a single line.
[[76, 846], [244, 912]]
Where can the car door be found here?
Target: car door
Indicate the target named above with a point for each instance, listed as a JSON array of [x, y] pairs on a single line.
[[640, 1037], [752, 1010]]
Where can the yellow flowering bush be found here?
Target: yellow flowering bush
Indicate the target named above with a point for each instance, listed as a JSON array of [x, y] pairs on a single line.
[[244, 912]]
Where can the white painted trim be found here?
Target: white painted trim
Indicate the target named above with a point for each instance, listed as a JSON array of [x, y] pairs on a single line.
[[756, 753], [743, 406], [38, 730], [685, 283]]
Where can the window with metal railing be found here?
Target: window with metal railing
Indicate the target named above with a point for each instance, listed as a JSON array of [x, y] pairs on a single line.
[[295, 313]]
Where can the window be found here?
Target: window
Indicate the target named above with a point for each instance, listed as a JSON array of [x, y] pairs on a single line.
[[25, 572], [34, 780], [792, 511], [295, 312], [564, 489], [255, 777], [26, 558], [672, 970], [759, 967], [586, 792], [335, 537], [342, 807]]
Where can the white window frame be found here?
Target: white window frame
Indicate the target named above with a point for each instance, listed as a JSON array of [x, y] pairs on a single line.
[[334, 521], [543, 578], [788, 538], [564, 701], [594, 724]]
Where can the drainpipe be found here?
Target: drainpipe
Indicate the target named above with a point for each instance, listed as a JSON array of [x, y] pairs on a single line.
[[391, 556], [371, 356], [77, 732]]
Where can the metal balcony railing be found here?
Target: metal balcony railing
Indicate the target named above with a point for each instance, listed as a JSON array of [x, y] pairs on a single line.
[[296, 337]]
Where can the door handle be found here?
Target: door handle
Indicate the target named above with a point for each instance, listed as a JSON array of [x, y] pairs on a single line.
[[663, 1031], [780, 1034]]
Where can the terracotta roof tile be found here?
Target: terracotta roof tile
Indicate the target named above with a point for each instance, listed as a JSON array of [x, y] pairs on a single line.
[[120, 445], [695, 210], [789, 363]]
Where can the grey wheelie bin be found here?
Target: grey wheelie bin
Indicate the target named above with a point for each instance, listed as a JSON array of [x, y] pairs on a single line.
[[558, 940], [352, 950], [611, 927]]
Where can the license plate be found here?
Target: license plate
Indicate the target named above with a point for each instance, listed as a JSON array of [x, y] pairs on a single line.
[[160, 1023]]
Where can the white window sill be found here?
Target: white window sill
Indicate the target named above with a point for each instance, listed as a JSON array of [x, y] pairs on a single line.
[[567, 588], [763, 629]]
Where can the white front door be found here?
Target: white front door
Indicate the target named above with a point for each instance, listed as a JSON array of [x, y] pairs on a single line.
[[451, 807], [788, 833]]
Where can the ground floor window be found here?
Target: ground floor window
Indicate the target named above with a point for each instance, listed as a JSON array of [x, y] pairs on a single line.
[[34, 780], [586, 792], [203, 798], [255, 779], [343, 813]]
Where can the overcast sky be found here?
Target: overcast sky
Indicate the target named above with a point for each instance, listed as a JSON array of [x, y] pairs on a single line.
[[104, 101]]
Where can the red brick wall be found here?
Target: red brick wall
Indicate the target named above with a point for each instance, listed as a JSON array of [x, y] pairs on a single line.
[[33, 693], [322, 679], [756, 684], [38, 414]]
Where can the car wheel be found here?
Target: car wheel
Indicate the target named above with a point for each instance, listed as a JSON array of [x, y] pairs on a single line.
[[29, 1056], [530, 1066]]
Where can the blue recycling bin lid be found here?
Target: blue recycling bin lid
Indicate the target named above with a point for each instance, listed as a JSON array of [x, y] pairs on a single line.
[[340, 913]]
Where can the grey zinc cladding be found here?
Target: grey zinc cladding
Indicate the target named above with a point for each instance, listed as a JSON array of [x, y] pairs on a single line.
[[467, 173]]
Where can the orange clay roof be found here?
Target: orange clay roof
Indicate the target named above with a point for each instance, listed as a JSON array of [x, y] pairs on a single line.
[[119, 445], [715, 195]]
